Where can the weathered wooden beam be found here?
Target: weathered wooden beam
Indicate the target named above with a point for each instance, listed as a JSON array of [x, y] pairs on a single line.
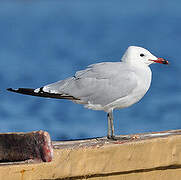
[[142, 156]]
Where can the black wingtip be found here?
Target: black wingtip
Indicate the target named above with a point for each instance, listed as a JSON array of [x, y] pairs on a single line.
[[41, 93], [11, 89], [22, 90]]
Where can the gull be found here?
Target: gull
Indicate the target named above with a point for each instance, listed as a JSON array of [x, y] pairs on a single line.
[[105, 86]]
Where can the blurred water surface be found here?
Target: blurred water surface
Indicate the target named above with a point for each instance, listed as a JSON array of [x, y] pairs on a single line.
[[45, 41]]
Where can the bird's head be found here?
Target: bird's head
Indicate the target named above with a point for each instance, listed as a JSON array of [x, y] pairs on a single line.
[[138, 55]]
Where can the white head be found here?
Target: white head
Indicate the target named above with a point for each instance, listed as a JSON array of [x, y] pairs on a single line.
[[138, 55]]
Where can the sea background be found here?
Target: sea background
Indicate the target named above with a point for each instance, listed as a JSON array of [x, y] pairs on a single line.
[[45, 41]]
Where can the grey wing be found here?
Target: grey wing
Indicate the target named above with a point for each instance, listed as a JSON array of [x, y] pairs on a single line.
[[100, 84]]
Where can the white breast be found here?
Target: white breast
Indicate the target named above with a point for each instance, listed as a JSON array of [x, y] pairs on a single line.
[[144, 81]]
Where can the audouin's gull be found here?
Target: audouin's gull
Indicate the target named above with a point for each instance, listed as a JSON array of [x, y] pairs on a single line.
[[105, 86]]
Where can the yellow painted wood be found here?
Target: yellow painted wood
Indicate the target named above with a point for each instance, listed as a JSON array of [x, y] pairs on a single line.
[[156, 158]]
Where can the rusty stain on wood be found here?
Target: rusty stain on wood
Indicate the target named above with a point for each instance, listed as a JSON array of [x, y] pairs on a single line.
[[34, 145]]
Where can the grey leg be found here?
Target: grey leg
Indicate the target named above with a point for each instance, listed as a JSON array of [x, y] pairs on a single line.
[[109, 127], [110, 134], [112, 125]]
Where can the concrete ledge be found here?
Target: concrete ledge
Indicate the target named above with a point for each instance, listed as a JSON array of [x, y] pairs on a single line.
[[143, 156]]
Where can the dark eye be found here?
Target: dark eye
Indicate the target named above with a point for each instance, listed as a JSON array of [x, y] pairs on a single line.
[[142, 55]]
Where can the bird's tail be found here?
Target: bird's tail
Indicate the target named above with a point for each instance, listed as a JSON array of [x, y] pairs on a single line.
[[41, 93]]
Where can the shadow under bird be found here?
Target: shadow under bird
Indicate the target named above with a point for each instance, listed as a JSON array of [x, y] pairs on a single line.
[[105, 86]]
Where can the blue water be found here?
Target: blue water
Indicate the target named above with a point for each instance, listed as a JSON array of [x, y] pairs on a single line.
[[45, 41]]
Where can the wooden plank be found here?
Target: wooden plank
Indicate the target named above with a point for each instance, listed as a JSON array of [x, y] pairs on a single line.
[[141, 156]]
